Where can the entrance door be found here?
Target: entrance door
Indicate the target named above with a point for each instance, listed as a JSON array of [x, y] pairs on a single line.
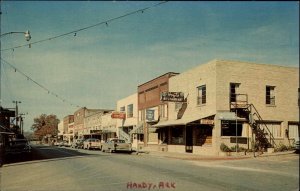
[[189, 139]]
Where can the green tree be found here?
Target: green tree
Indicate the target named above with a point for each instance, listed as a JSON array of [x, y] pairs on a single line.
[[45, 125]]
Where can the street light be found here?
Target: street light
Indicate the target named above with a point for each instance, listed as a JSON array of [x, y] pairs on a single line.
[[27, 38], [26, 34]]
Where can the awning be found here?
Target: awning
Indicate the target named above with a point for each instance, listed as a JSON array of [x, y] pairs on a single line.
[[230, 116], [174, 122]]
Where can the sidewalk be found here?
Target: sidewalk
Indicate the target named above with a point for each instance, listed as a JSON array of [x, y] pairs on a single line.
[[191, 156]]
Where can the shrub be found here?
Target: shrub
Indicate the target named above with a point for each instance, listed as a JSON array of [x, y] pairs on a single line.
[[239, 149], [224, 148], [281, 148]]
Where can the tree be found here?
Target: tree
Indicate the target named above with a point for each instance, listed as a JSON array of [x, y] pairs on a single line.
[[45, 125]]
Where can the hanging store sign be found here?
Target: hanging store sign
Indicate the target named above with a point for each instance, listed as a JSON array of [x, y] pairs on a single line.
[[149, 114], [172, 96], [118, 115]]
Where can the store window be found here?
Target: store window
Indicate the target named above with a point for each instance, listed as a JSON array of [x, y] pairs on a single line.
[[272, 127], [231, 128], [203, 135], [293, 130], [201, 99], [177, 135]]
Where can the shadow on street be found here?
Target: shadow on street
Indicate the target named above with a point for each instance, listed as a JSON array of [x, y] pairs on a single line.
[[40, 153]]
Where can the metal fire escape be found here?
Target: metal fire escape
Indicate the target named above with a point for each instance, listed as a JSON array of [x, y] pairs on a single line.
[[263, 136]]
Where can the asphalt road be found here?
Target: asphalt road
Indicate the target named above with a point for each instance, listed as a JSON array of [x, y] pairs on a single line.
[[56, 168]]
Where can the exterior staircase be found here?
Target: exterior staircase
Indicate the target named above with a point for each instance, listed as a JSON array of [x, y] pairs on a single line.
[[124, 135], [263, 136]]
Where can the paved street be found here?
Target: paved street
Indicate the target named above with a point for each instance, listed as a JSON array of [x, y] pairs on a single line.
[[71, 169]]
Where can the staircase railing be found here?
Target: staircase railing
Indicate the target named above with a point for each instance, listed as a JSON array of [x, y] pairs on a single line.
[[124, 135], [239, 103], [260, 122]]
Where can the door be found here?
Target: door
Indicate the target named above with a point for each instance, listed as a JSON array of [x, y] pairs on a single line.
[[189, 139]]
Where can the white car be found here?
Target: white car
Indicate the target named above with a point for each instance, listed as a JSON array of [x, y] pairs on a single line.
[[92, 143], [115, 145]]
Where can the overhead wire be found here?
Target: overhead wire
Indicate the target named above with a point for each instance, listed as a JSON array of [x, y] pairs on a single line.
[[74, 32], [65, 34], [38, 84]]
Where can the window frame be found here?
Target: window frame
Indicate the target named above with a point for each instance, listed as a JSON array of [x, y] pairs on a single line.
[[202, 95], [270, 96], [129, 111]]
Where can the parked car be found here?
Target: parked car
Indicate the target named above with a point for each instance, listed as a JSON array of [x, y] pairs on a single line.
[[62, 143], [92, 143], [67, 144], [78, 143], [18, 146], [115, 145]]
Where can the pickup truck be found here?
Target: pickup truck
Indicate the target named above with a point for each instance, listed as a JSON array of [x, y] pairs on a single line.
[[92, 143], [115, 145]]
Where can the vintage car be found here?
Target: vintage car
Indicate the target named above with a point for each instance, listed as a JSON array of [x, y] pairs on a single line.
[[92, 143], [78, 144], [115, 145], [18, 146]]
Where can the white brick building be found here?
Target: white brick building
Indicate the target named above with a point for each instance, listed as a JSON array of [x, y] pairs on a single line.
[[129, 128], [215, 91]]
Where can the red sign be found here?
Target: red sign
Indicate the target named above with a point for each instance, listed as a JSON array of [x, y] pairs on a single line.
[[118, 115]]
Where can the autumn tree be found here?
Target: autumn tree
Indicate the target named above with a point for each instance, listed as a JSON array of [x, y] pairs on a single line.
[[45, 125]]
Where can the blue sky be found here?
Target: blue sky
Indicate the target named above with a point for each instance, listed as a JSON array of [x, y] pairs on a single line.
[[102, 64]]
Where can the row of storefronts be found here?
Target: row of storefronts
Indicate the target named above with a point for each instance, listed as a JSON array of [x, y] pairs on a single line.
[[234, 103]]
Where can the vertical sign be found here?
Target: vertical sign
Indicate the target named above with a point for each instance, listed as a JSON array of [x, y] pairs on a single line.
[[150, 114]]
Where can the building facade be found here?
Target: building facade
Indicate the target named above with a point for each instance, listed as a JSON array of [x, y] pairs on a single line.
[[150, 108], [80, 129], [128, 126], [93, 124], [68, 128], [234, 103], [109, 126]]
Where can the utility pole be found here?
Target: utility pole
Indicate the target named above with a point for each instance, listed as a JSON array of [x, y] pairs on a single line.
[[0, 54], [17, 112]]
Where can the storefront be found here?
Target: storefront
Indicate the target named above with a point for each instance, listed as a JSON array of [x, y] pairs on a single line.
[[185, 135]]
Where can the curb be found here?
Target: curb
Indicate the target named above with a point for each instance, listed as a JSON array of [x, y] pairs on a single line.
[[183, 156]]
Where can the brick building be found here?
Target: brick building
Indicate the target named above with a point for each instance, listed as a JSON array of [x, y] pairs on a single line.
[[150, 108]]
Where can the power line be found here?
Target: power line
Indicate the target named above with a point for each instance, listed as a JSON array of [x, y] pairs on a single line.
[[38, 84], [74, 32]]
